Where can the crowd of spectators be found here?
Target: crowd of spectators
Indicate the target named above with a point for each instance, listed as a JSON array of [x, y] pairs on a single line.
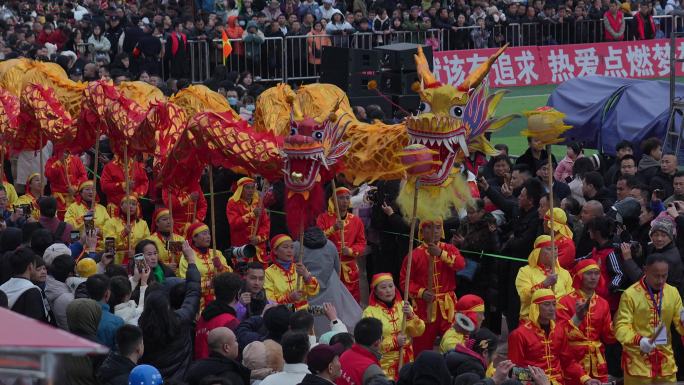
[[132, 40]]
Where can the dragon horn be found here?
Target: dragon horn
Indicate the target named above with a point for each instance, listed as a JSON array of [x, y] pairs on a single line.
[[426, 77], [296, 111], [475, 78]]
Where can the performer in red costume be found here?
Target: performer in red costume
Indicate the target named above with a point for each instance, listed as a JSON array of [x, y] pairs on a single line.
[[189, 206], [354, 238], [242, 210], [113, 181], [536, 342], [438, 289], [65, 173], [584, 328]]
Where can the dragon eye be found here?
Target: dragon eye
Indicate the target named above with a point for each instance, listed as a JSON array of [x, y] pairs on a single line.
[[424, 107], [456, 111], [318, 135], [293, 130]]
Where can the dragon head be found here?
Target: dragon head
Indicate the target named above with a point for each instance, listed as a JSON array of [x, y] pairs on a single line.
[[310, 144], [445, 121]]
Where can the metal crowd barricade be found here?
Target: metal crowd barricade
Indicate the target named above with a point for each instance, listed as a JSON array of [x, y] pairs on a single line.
[[199, 60], [265, 60], [298, 58]]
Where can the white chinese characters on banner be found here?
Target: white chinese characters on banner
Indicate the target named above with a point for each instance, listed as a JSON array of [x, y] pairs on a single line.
[[587, 61], [639, 58], [526, 67], [535, 65]]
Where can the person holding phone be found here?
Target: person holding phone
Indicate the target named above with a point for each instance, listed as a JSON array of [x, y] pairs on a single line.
[[77, 211], [33, 192], [126, 237], [210, 262], [162, 233], [584, 319], [536, 342], [436, 291]]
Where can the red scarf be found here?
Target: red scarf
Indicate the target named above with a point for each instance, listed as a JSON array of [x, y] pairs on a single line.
[[614, 21], [174, 42]]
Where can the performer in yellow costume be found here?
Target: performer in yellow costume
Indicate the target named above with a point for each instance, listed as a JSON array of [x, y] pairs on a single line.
[[385, 304], [542, 272], [162, 228], [647, 310], [32, 194], [473, 307], [81, 206], [281, 278], [116, 228], [210, 262], [11, 193]]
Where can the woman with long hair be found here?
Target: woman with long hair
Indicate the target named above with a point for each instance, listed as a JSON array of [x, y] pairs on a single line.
[[168, 334]]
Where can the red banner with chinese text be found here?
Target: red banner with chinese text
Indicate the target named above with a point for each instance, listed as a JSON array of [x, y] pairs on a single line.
[[537, 65]]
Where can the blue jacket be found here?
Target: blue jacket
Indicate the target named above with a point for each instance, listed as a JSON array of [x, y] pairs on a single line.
[[109, 324]]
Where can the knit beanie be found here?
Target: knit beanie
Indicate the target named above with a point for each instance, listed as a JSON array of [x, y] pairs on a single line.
[[664, 223]]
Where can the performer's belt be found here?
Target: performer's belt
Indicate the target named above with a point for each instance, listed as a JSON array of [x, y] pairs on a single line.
[[593, 359], [349, 267], [447, 307]]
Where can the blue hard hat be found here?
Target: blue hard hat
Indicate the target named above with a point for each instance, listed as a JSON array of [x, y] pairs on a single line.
[[145, 375]]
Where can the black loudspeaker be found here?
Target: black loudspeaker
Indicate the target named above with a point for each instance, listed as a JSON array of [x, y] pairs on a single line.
[[349, 60], [399, 57], [365, 101], [408, 102], [350, 69], [354, 84], [397, 82]]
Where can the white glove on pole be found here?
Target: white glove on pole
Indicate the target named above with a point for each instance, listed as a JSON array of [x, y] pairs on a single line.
[[646, 345]]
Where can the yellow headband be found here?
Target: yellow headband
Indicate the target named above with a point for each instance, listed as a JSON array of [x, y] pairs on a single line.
[[380, 277], [200, 229]]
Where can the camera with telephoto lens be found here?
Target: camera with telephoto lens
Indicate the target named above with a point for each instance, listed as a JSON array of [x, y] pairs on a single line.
[[376, 198], [312, 309], [26, 209]]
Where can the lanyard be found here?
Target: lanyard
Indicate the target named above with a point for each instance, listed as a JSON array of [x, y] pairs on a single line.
[[658, 305]]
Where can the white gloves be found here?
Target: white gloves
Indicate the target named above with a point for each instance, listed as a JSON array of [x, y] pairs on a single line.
[[681, 316], [646, 345]]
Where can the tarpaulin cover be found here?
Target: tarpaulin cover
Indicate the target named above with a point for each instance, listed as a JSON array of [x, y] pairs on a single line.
[[26, 334], [583, 100], [606, 110]]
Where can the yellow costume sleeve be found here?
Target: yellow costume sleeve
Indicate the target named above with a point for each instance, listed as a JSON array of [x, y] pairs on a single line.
[[415, 327], [74, 216], [182, 267], [11, 194], [389, 340], [312, 287], [564, 286], [271, 279], [624, 321], [676, 319], [525, 286], [450, 339], [226, 267]]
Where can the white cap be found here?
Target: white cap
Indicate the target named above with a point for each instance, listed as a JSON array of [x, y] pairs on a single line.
[[53, 251]]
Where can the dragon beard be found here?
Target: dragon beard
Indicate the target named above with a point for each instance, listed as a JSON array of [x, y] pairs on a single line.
[[301, 212], [435, 201]]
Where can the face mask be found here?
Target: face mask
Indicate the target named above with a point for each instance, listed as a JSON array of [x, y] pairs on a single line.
[[232, 100], [250, 107]]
